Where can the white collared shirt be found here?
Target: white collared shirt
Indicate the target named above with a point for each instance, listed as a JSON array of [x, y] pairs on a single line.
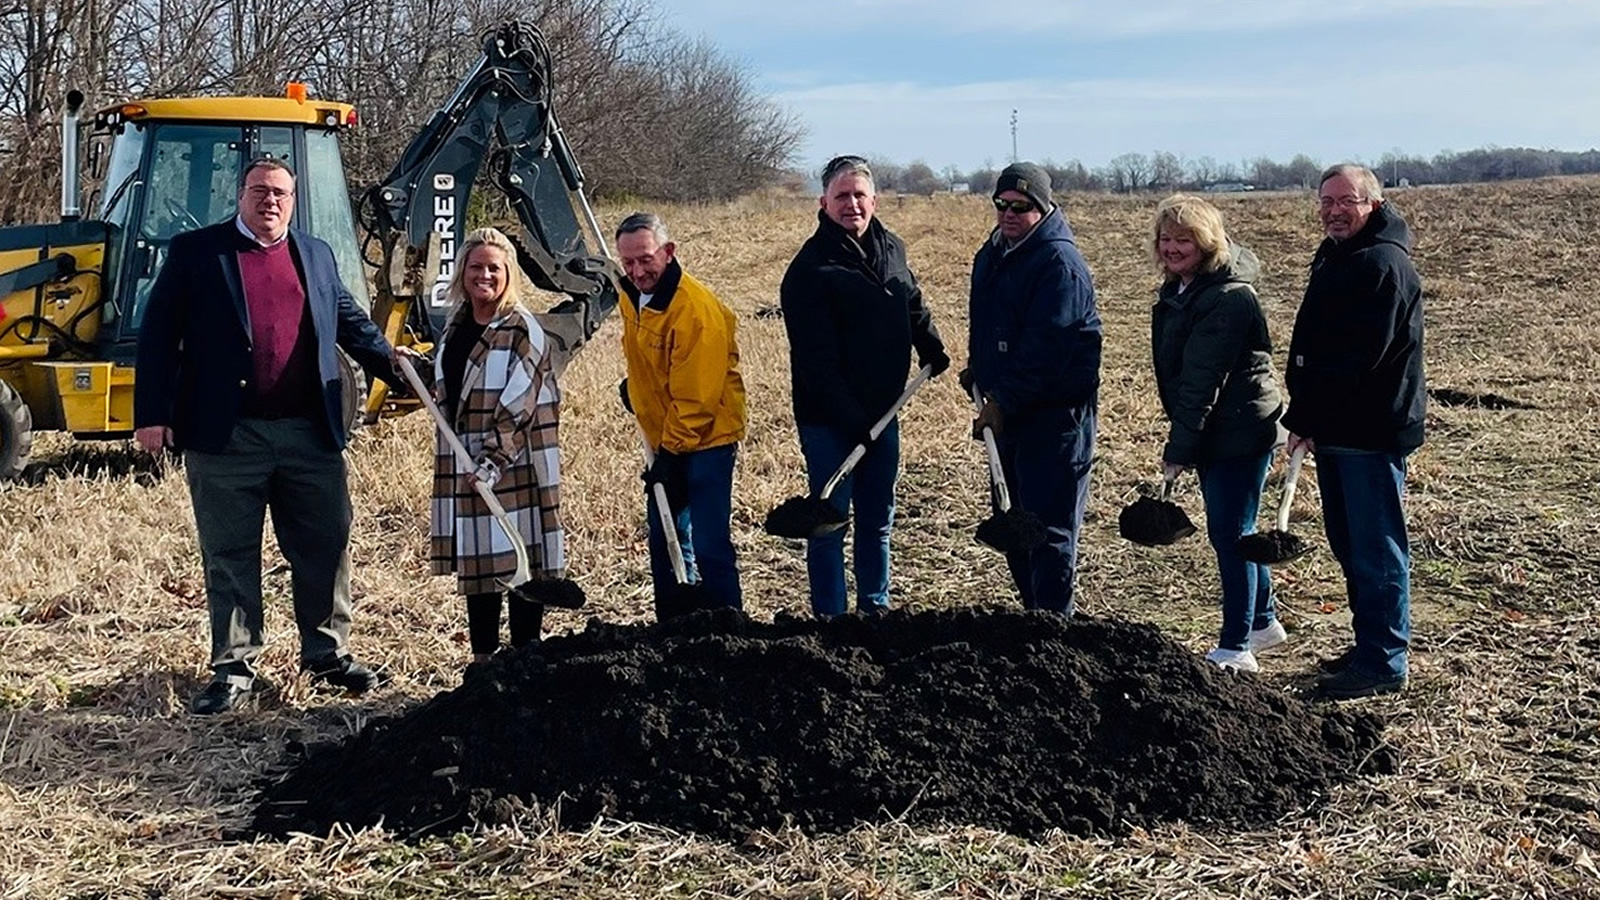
[[238, 221]]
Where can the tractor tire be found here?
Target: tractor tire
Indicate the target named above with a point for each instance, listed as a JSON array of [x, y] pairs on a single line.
[[352, 393], [16, 432]]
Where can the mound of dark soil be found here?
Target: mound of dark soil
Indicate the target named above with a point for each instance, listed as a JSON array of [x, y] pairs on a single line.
[[717, 724]]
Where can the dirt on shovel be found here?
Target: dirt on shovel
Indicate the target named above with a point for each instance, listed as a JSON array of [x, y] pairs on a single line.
[[803, 517], [1012, 531], [1278, 545], [558, 592], [1152, 522]]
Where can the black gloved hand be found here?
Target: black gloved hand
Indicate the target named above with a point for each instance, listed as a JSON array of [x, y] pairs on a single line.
[[940, 361], [671, 471], [622, 389], [992, 417], [966, 380]]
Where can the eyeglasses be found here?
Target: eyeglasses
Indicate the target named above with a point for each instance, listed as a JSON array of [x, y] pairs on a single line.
[[1017, 206], [261, 192], [1341, 202]]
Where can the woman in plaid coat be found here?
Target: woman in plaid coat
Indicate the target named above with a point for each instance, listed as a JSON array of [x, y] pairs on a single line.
[[496, 385]]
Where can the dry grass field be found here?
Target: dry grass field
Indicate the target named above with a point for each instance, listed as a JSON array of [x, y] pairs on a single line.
[[108, 788]]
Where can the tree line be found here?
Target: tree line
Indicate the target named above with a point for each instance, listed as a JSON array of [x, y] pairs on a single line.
[[648, 111], [1166, 171]]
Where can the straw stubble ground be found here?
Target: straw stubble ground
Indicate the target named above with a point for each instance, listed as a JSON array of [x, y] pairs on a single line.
[[107, 788]]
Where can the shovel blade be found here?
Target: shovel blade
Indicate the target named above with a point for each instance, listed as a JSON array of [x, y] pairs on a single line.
[[679, 600], [1272, 547], [1013, 531], [563, 593], [803, 517], [1154, 523]]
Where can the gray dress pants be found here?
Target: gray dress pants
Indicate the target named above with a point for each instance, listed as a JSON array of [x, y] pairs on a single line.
[[290, 466]]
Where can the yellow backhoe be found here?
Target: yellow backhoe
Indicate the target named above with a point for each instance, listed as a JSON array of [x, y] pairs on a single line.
[[72, 292]]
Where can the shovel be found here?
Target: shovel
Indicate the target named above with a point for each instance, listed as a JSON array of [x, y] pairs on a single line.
[[560, 592], [685, 597], [809, 517], [1009, 530], [1278, 545], [1150, 522]]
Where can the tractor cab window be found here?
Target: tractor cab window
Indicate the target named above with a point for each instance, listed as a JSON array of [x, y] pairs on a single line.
[[190, 179], [194, 179], [326, 210], [171, 177]]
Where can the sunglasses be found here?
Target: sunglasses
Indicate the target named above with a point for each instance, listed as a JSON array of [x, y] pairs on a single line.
[[1017, 206], [841, 163]]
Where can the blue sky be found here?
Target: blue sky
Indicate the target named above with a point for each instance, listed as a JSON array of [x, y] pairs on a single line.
[[937, 80]]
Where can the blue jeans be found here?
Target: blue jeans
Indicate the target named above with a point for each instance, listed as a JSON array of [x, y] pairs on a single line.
[[870, 489], [703, 531], [1046, 460], [1232, 490], [1363, 511]]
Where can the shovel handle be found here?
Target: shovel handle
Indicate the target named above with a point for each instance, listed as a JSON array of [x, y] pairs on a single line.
[[860, 450], [669, 528], [1295, 460], [1002, 495], [465, 460]]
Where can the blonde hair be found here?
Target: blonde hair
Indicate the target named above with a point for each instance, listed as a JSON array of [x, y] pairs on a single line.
[[1200, 219], [516, 290]]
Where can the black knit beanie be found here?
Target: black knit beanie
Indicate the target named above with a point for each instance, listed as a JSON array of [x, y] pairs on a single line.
[[1026, 178]]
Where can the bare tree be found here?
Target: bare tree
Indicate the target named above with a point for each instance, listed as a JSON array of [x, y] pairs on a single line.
[[1166, 170], [1129, 172], [623, 81], [1204, 171], [920, 178]]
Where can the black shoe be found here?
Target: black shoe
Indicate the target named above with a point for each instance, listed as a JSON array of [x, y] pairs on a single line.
[[222, 696], [343, 672], [1354, 682], [1338, 663]]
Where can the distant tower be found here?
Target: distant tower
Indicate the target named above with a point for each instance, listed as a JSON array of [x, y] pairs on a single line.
[[1013, 135]]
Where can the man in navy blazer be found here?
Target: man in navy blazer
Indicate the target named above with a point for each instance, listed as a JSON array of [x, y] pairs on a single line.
[[237, 369]]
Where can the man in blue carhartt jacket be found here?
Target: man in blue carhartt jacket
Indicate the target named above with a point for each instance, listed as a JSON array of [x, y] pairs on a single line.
[[1034, 355]]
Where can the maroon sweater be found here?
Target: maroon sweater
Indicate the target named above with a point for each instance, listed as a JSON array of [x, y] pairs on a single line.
[[283, 342]]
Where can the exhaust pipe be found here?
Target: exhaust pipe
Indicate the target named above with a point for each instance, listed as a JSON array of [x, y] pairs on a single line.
[[70, 184]]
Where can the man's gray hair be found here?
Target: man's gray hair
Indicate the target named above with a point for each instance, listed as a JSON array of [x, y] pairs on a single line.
[[1364, 179], [645, 221], [846, 165]]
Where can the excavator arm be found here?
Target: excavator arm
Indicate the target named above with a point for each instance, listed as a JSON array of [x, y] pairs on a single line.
[[501, 116]]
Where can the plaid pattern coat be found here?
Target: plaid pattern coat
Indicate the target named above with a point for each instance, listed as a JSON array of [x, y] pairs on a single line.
[[508, 414]]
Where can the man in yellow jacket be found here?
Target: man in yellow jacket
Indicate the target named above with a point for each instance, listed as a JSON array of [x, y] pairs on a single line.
[[684, 386]]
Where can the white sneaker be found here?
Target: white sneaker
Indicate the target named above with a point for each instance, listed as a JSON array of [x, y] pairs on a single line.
[[1243, 660], [1268, 637]]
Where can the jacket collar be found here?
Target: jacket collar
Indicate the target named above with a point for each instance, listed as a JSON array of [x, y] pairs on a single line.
[[1046, 228], [867, 249], [665, 288], [1384, 226]]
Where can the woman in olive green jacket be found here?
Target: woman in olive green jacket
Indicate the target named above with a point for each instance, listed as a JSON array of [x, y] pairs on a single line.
[[1213, 366]]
